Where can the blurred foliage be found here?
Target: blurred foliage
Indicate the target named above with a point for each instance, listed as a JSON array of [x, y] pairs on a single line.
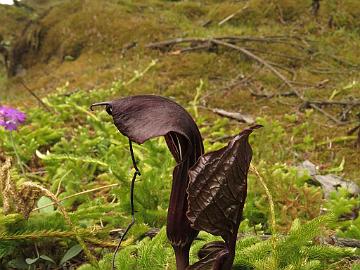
[[71, 149], [293, 251]]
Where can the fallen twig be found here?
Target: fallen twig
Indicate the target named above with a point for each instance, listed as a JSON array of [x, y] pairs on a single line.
[[35, 96], [234, 14], [339, 102], [276, 54], [280, 76], [239, 80], [245, 118], [337, 140], [76, 194], [228, 42], [168, 44], [196, 48]]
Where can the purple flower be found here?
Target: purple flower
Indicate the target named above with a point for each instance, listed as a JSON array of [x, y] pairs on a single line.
[[11, 118]]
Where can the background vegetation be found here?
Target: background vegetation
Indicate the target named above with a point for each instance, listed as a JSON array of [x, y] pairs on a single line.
[[82, 52]]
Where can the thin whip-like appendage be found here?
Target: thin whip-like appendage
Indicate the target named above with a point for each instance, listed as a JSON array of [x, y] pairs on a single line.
[[106, 103], [133, 158], [136, 173]]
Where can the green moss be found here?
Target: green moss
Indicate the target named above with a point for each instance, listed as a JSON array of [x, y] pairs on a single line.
[[95, 34], [11, 21]]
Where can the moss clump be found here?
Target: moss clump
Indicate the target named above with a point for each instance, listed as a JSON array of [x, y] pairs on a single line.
[[11, 21]]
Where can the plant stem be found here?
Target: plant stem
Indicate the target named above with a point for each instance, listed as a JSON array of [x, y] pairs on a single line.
[[272, 214], [337, 140], [76, 194], [138, 75], [137, 172], [271, 202], [16, 154]]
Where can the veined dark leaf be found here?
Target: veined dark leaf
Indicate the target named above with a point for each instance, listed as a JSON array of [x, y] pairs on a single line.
[[218, 185]]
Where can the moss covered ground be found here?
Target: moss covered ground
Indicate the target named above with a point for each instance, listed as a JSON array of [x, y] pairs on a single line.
[[87, 45]]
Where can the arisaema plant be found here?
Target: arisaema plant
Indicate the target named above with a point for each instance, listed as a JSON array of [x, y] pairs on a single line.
[[208, 190]]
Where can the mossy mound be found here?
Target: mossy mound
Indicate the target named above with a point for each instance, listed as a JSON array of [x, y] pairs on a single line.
[[90, 44], [12, 21]]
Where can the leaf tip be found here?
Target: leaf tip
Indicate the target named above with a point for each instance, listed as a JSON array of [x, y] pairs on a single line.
[[107, 104]]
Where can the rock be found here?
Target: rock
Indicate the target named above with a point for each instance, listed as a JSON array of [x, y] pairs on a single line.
[[329, 182], [309, 167]]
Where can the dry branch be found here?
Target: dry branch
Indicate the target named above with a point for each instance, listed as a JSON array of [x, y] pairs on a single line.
[[31, 92], [279, 75], [233, 14], [245, 118], [77, 194], [168, 44], [229, 42]]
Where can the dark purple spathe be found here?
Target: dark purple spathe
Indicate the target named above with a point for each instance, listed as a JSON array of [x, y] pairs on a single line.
[[11, 118], [208, 190]]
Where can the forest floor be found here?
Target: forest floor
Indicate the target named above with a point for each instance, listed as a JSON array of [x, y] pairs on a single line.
[[91, 44], [288, 65]]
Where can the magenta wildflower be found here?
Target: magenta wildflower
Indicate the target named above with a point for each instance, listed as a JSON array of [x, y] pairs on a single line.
[[11, 118]]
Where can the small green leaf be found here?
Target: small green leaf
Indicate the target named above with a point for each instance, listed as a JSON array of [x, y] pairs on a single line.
[[71, 253], [45, 201], [31, 261], [339, 168], [46, 258]]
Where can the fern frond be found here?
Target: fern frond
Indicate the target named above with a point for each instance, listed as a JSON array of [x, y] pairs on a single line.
[[287, 250], [327, 252], [250, 255], [34, 235], [126, 259], [155, 254], [312, 265], [50, 156]]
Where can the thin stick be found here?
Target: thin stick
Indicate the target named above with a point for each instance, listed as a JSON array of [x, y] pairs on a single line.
[[167, 44], [337, 140], [271, 202], [325, 113], [77, 194], [234, 83], [136, 173], [227, 41], [335, 102], [258, 59], [35, 96], [234, 14], [278, 74], [171, 42]]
